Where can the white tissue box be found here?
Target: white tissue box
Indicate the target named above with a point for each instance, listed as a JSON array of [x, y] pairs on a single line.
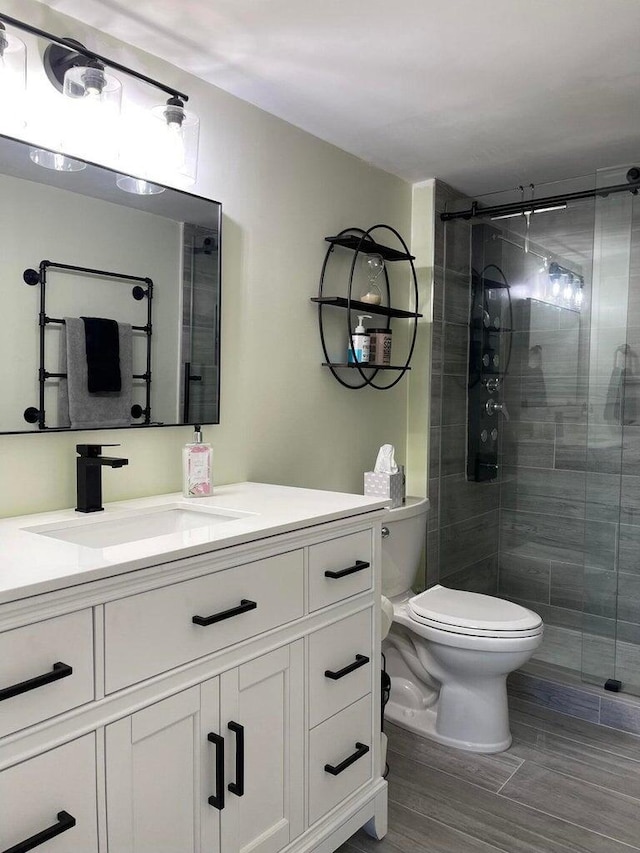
[[385, 486]]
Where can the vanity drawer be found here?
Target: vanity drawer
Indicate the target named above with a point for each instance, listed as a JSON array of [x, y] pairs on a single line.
[[341, 745], [154, 631], [340, 665], [45, 669], [54, 791], [339, 568]]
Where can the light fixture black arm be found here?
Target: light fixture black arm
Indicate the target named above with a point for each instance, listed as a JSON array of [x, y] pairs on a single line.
[[71, 44]]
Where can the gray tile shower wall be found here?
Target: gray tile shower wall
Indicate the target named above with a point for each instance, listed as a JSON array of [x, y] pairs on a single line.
[[462, 543]]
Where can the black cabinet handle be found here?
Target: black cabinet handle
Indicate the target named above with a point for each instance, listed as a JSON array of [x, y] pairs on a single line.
[[59, 670], [65, 822], [243, 607], [217, 799], [361, 749], [237, 787], [360, 660], [358, 566]]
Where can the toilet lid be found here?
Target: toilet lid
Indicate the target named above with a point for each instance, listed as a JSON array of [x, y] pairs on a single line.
[[474, 613]]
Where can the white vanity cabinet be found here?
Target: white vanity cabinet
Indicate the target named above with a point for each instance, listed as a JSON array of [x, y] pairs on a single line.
[[222, 701]]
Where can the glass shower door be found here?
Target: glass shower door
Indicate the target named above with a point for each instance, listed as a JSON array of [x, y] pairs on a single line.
[[611, 617]]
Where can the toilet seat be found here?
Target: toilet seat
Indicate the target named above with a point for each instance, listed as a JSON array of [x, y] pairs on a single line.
[[472, 614]]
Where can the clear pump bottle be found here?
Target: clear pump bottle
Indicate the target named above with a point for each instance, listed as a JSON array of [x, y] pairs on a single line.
[[196, 467]]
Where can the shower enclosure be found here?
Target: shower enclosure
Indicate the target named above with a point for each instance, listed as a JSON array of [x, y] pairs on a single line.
[[536, 386]]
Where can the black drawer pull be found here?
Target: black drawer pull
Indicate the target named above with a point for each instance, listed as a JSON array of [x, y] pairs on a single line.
[[237, 787], [361, 749], [59, 670], [217, 799], [65, 822], [243, 607], [358, 566], [360, 660]]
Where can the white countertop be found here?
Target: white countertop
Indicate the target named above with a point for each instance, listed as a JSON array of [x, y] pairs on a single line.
[[31, 563]]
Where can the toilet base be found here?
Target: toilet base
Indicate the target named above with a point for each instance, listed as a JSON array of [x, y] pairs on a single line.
[[415, 704], [422, 721]]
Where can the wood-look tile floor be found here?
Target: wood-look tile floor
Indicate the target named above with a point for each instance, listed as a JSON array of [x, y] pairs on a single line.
[[564, 786]]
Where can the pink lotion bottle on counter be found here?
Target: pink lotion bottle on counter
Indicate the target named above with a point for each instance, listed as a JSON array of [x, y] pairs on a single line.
[[196, 467]]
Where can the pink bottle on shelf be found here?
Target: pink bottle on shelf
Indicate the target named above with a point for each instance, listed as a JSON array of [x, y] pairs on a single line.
[[196, 467]]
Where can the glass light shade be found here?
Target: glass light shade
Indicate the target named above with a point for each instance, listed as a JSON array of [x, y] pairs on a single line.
[[54, 160], [174, 143], [91, 113], [86, 82], [137, 186], [13, 81]]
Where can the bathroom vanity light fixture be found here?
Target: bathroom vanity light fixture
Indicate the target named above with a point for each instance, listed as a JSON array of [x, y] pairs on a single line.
[[90, 112], [177, 132]]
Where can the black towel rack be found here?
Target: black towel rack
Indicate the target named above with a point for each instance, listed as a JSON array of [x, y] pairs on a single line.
[[34, 277]]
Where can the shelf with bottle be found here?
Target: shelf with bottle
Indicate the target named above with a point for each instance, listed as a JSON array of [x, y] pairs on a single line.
[[371, 301]]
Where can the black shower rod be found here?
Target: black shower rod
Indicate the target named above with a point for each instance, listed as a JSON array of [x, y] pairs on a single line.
[[632, 185], [73, 45]]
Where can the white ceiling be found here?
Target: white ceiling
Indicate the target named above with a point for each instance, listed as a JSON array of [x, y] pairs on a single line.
[[485, 94]]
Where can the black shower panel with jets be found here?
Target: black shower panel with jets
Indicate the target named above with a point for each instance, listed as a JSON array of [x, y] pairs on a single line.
[[488, 364]]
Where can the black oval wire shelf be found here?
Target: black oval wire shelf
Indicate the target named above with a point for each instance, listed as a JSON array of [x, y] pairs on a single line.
[[361, 242]]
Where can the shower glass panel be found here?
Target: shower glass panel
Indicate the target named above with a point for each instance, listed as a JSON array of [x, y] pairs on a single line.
[[545, 532], [567, 422], [610, 650], [627, 668]]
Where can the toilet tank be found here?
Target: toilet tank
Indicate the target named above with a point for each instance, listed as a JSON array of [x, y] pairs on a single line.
[[402, 547]]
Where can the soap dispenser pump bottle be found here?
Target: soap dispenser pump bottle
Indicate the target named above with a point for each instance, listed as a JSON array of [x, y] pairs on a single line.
[[359, 349], [196, 467]]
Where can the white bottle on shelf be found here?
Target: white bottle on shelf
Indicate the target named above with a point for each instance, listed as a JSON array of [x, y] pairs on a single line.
[[359, 349]]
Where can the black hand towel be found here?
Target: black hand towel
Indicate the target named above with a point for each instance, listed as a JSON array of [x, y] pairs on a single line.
[[103, 355]]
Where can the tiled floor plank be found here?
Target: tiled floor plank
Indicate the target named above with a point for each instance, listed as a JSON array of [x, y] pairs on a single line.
[[611, 740], [577, 759], [494, 819], [487, 771], [410, 832], [581, 803]]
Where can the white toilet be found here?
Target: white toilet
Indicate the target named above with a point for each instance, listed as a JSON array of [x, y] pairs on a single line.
[[448, 652]]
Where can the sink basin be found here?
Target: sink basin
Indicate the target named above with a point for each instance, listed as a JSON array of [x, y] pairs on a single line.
[[138, 524]]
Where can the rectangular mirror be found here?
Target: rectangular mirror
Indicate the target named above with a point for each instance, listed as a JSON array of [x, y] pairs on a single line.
[[76, 245]]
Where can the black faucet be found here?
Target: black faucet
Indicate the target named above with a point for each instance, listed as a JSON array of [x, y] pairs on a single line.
[[89, 475]]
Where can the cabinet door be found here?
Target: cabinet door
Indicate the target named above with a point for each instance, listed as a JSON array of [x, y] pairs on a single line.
[[265, 697], [156, 773]]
